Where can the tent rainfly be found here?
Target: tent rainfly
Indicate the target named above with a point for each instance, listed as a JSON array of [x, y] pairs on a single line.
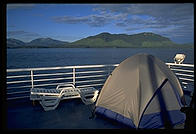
[[142, 92]]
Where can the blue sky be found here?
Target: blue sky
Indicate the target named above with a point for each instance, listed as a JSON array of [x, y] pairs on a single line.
[[71, 22]]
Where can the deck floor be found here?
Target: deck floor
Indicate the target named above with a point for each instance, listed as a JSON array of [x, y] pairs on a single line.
[[70, 114]]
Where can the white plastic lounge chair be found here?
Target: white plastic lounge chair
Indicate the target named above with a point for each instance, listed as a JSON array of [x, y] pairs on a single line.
[[50, 98], [36, 93], [88, 95]]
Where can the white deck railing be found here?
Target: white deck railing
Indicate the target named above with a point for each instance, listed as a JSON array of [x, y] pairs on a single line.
[[20, 81]]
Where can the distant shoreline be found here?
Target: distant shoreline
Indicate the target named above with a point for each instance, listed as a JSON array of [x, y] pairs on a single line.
[[103, 40]]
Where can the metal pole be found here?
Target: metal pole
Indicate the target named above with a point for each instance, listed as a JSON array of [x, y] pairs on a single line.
[[109, 71], [74, 76], [32, 78]]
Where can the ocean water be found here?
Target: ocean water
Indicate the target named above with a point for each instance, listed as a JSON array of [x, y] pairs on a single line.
[[52, 57]]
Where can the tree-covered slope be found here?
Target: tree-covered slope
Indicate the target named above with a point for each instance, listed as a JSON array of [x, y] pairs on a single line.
[[123, 40]]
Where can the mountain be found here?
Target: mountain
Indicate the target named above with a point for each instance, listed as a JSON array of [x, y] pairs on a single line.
[[46, 42], [37, 43], [123, 40], [102, 40], [14, 43]]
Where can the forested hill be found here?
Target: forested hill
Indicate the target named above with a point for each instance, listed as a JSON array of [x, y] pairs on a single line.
[[36, 43], [104, 40], [124, 40]]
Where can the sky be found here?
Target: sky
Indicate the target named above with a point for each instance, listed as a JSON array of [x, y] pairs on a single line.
[[71, 22]]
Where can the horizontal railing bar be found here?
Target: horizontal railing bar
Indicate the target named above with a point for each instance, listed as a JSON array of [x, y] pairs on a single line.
[[190, 71], [39, 69], [19, 76], [187, 82], [186, 79], [90, 76], [18, 92], [64, 74], [40, 85], [94, 66], [53, 74], [89, 85], [184, 83], [18, 87], [183, 65], [57, 68], [90, 81], [184, 75], [14, 98], [14, 82], [87, 72], [90, 72], [53, 79]]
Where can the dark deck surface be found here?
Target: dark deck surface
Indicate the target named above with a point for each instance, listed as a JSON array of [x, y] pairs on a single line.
[[70, 114]]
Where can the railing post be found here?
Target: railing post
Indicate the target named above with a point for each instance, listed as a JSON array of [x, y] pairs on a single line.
[[32, 78], [109, 70], [74, 76]]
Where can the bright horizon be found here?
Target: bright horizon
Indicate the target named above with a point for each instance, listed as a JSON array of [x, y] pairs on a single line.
[[71, 22]]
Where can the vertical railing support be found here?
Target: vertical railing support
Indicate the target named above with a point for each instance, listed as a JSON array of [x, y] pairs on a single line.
[[74, 76], [109, 70], [32, 79]]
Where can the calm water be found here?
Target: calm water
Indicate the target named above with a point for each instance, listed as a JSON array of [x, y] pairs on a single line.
[[51, 57]]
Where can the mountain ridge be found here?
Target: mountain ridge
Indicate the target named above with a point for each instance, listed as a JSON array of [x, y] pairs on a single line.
[[122, 40], [102, 40], [46, 42], [36, 43]]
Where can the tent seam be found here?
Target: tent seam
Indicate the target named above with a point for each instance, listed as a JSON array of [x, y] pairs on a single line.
[[164, 82]]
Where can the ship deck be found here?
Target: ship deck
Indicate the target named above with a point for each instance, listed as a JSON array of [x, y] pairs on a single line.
[[70, 114]]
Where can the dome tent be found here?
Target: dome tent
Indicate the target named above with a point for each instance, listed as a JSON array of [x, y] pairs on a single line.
[[142, 92]]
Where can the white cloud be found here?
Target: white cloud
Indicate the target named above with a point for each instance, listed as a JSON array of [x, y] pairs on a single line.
[[94, 20]]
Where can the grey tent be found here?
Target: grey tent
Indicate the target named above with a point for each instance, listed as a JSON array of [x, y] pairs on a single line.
[[142, 92]]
